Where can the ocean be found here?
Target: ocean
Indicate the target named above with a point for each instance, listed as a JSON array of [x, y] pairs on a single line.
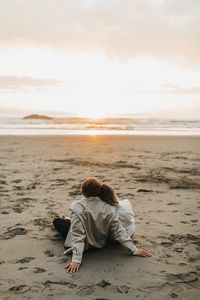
[[16, 125]]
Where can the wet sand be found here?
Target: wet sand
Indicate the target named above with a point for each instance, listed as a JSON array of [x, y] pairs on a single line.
[[40, 177]]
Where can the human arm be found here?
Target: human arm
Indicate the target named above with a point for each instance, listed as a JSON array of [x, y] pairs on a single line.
[[78, 242], [119, 233]]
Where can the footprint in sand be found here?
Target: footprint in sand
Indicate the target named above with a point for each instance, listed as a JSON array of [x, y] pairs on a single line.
[[103, 283], [144, 191], [42, 223], [17, 188], [4, 212], [19, 288], [49, 253], [172, 203], [3, 182], [22, 268], [39, 270], [102, 299], [64, 260], [123, 289], [86, 290], [166, 244], [17, 181], [20, 207], [179, 249], [24, 260], [11, 233], [184, 222], [182, 277]]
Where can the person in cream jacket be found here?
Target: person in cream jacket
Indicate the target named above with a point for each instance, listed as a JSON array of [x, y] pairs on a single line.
[[97, 218]]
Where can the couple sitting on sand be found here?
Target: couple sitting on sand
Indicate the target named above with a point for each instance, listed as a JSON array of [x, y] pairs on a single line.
[[95, 219]]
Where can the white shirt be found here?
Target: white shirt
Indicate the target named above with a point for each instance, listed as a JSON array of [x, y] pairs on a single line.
[[126, 216]]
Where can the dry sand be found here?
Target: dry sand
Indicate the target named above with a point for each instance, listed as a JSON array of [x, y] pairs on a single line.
[[40, 177]]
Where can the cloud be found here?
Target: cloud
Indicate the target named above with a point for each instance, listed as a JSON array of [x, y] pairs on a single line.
[[174, 89], [14, 83], [120, 28]]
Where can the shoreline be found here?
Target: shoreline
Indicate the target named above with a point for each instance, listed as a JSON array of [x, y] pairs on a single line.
[[139, 134]]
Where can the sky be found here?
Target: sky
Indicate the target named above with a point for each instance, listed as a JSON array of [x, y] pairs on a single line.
[[98, 58]]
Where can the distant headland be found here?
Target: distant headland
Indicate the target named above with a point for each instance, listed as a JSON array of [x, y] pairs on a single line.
[[37, 117]]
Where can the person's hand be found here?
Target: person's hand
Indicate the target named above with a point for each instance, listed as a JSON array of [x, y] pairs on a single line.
[[72, 267], [143, 253]]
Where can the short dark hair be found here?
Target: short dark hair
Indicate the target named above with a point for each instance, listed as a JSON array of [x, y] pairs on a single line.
[[91, 187]]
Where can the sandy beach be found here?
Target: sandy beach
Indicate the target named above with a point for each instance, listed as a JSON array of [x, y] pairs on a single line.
[[40, 177]]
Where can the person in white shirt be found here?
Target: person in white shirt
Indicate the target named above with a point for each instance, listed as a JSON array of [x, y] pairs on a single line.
[[95, 219]]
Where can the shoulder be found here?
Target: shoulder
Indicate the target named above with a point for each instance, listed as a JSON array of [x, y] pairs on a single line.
[[125, 205], [78, 205], [108, 209], [125, 209]]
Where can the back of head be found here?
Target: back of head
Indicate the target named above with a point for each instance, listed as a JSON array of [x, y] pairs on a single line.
[[108, 195], [91, 187]]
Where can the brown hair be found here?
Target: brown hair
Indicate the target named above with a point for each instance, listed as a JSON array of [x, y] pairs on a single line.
[[108, 195], [91, 187]]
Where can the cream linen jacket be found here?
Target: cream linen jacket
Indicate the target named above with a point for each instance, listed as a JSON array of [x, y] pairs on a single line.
[[93, 222]]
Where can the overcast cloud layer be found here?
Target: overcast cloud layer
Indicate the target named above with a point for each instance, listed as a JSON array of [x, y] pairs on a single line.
[[120, 28], [14, 83]]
